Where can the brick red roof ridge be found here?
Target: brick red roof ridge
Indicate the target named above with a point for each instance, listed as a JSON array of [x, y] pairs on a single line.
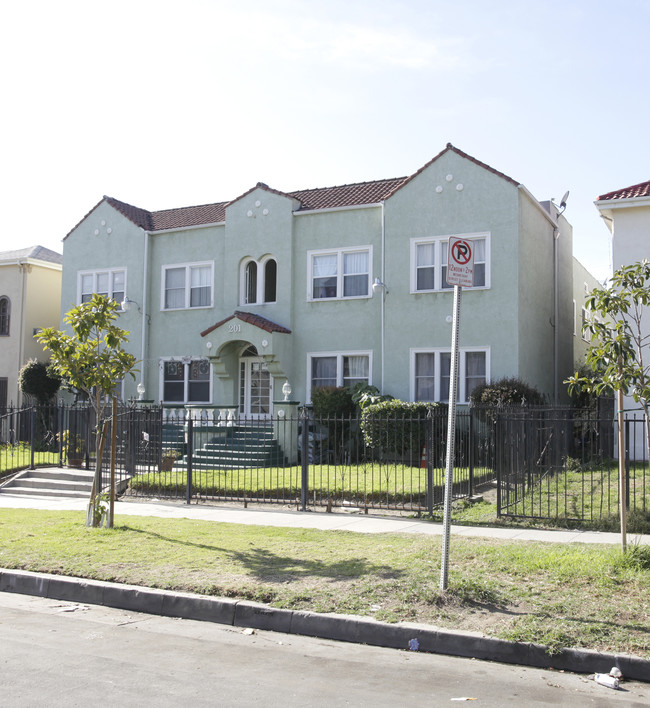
[[642, 189], [140, 217], [259, 185], [250, 317]]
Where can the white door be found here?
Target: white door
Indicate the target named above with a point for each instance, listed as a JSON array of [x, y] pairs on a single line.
[[255, 389]]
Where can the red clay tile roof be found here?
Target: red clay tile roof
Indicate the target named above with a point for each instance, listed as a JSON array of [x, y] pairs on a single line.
[[636, 190], [257, 320], [345, 195]]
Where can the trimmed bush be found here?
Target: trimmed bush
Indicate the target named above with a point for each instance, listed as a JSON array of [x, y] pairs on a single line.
[[333, 402], [396, 426], [507, 392]]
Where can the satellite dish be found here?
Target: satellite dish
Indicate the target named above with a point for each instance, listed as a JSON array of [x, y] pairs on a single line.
[[563, 200]]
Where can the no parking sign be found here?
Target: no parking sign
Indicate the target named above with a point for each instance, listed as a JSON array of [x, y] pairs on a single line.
[[460, 262]]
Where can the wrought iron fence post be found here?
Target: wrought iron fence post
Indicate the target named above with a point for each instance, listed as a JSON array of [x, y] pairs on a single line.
[[627, 460], [190, 451], [304, 458], [498, 446], [471, 453], [60, 416], [429, 447], [32, 435]]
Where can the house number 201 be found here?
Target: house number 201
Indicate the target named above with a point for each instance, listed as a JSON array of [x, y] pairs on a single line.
[[234, 328]]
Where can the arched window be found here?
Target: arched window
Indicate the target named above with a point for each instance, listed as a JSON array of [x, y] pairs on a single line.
[[259, 280], [251, 283], [270, 280], [5, 313]]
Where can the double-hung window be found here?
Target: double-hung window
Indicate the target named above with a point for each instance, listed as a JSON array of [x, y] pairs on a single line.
[[186, 381], [187, 286], [110, 282], [430, 373], [340, 273], [429, 262], [338, 369]]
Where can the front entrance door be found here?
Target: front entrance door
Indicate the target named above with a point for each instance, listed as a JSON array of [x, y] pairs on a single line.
[[255, 388]]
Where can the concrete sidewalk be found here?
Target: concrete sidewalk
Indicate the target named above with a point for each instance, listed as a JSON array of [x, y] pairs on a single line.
[[241, 613], [341, 520]]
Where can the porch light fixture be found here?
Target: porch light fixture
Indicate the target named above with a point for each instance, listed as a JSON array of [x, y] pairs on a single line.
[[286, 390], [379, 286], [127, 302], [126, 306]]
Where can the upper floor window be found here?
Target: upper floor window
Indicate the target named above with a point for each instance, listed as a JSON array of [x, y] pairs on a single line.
[[430, 373], [5, 314], [429, 262], [340, 273], [585, 321], [186, 286], [338, 369], [186, 381], [259, 281], [110, 282]]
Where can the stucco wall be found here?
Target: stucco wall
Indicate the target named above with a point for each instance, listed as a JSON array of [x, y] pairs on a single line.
[[485, 204]]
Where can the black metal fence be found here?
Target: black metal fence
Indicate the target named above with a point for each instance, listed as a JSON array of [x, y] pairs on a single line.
[[210, 453], [562, 466], [550, 464]]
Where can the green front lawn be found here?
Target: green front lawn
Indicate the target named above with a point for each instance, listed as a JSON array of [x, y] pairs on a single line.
[[370, 482], [562, 595]]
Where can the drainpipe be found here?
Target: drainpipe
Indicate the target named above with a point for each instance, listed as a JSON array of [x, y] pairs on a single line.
[[556, 308], [383, 294], [145, 288], [22, 265]]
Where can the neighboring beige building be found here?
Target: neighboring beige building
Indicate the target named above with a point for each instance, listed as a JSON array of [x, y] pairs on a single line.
[[30, 299]]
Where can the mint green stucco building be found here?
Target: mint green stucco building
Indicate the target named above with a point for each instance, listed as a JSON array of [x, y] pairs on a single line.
[[333, 286]]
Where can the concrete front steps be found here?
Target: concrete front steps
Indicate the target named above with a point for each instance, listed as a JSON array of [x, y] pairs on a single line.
[[51, 482], [240, 448]]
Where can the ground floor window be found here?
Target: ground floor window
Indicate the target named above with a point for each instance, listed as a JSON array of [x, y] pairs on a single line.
[[186, 380], [430, 371], [338, 369]]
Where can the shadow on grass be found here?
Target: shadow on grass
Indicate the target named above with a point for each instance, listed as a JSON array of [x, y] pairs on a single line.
[[268, 566]]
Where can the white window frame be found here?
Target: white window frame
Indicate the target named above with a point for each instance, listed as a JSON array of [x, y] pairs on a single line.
[[440, 244], [585, 319], [462, 371], [186, 361], [188, 281], [110, 272], [574, 318], [339, 366], [261, 281], [340, 253]]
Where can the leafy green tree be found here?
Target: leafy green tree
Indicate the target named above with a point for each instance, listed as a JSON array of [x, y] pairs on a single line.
[[92, 360]]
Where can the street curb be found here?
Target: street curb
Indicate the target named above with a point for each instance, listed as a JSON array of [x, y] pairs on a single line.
[[347, 628]]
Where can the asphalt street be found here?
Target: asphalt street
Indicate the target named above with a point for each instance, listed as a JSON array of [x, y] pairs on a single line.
[[59, 653]]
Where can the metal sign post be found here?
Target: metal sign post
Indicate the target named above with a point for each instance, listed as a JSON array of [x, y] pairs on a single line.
[[460, 271], [451, 439]]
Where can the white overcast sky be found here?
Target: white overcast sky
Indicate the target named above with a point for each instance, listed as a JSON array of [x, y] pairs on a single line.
[[166, 104]]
